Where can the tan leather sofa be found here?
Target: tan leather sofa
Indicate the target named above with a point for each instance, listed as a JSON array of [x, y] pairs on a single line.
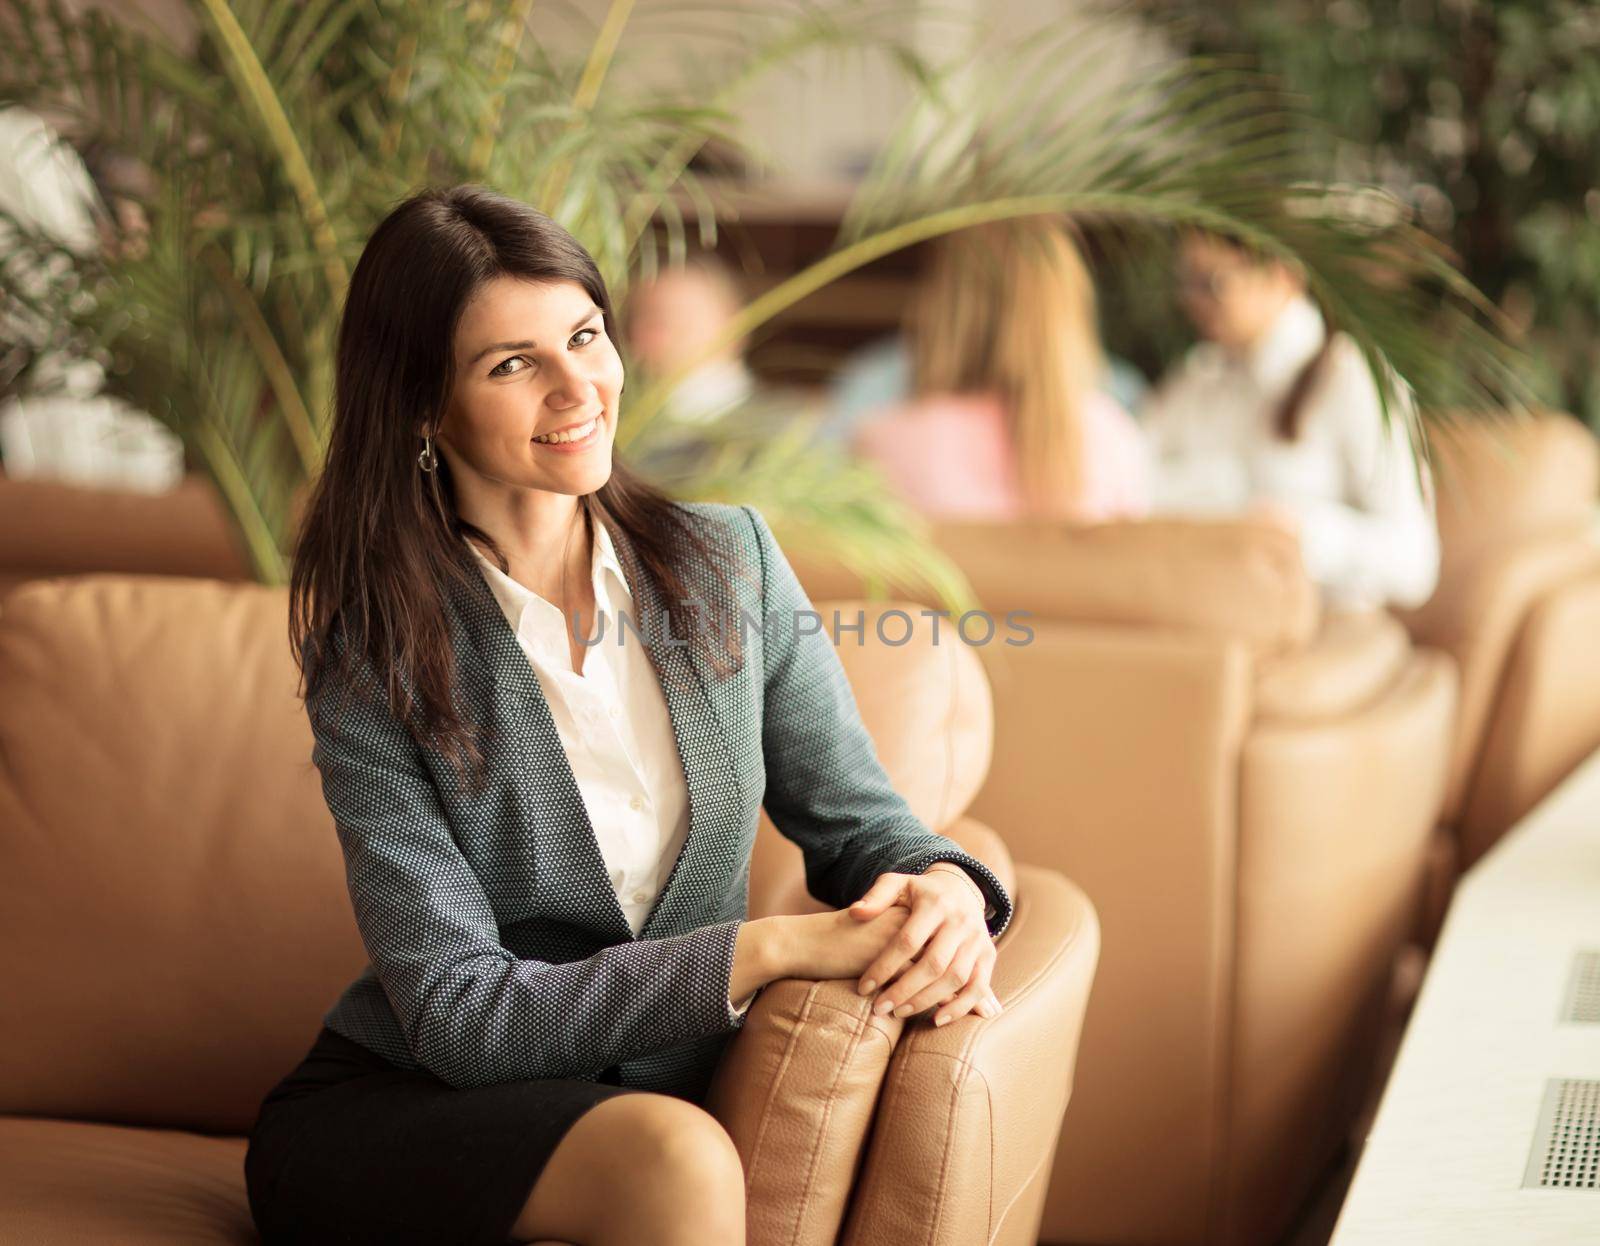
[[51, 528], [1518, 607], [174, 920], [1246, 789]]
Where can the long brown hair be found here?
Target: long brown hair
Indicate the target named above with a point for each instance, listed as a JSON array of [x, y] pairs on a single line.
[[381, 540], [1009, 309]]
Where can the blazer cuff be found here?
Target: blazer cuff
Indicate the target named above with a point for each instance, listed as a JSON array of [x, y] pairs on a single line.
[[733, 1014]]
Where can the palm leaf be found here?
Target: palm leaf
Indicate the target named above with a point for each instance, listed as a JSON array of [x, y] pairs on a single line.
[[279, 145]]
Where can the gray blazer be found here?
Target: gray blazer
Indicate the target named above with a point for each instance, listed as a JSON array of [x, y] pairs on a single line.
[[498, 950]]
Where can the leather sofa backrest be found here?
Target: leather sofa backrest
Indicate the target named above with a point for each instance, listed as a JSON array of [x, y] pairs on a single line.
[[1516, 500], [52, 528], [173, 911], [1506, 479], [1234, 580]]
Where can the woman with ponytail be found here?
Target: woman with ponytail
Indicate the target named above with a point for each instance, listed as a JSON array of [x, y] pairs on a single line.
[[1274, 415]]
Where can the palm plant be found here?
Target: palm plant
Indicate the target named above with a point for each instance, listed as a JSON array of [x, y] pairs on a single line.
[[272, 152]]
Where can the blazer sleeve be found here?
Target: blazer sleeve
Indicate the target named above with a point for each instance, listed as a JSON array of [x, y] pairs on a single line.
[[826, 789], [472, 1012]]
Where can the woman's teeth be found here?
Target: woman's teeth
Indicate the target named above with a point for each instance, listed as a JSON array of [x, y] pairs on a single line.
[[571, 434]]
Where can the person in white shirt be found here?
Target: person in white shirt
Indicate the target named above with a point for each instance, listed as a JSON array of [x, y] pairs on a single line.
[[1273, 416]]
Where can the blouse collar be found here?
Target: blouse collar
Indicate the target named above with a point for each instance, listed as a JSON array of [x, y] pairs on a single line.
[[534, 617], [1287, 346]]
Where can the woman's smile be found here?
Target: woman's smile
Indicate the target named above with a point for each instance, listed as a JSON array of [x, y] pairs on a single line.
[[574, 439]]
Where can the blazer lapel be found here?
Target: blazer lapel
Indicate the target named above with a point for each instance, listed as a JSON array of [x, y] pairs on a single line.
[[572, 866], [711, 853]]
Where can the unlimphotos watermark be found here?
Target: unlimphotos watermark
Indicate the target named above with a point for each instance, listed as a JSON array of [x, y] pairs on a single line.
[[893, 627]]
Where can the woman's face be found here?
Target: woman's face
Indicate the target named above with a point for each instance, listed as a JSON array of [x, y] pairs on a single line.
[[534, 403], [1231, 299]]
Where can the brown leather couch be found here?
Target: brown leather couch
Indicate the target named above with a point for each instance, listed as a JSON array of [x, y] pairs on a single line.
[[52, 528], [174, 920], [1246, 788], [1518, 607]]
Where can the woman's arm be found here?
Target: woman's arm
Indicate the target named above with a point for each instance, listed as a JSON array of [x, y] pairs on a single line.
[[472, 1012], [826, 789]]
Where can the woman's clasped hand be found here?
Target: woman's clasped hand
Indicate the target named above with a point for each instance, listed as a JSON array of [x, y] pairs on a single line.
[[925, 942]]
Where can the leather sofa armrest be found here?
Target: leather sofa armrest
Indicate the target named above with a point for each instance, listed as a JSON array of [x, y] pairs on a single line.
[[1476, 617], [1353, 660], [797, 1090], [971, 1111]]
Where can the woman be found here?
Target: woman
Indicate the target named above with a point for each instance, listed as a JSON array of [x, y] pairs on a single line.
[[1273, 415], [547, 840], [1010, 418]]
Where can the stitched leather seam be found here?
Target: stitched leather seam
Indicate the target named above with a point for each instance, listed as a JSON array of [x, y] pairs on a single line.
[[1022, 1188], [942, 1185], [891, 1103], [777, 1081], [827, 1115]]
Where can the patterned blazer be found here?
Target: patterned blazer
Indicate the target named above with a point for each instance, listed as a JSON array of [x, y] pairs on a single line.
[[498, 950]]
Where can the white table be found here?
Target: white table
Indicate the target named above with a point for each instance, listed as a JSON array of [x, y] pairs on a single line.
[[1449, 1149]]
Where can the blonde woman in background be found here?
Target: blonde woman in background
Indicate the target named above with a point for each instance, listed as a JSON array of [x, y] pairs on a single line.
[[1009, 418]]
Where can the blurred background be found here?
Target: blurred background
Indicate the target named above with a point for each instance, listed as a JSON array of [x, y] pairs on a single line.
[[1248, 348]]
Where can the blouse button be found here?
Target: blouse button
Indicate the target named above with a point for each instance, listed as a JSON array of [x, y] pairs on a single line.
[[636, 804], [639, 897], [615, 712]]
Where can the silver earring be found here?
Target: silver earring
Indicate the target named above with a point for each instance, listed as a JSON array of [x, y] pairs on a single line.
[[427, 460]]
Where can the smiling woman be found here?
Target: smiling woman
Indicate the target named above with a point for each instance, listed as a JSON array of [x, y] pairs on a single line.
[[548, 846]]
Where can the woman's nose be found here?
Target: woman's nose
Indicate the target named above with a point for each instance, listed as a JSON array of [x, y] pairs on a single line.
[[569, 387]]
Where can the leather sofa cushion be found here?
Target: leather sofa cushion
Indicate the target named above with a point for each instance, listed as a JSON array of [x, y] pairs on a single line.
[[172, 897], [71, 1182], [1234, 579]]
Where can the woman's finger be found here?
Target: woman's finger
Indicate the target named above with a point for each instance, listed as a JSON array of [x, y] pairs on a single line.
[[881, 896], [926, 917], [944, 986], [968, 999], [927, 973]]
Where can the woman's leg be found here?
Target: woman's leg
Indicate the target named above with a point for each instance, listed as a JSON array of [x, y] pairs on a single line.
[[639, 1168]]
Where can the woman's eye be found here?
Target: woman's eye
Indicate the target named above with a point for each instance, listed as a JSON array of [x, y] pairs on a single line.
[[500, 369], [581, 338]]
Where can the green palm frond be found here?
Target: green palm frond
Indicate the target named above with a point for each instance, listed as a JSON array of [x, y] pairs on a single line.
[[1191, 143], [271, 152]]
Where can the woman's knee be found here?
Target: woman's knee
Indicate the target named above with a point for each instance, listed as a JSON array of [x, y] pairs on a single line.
[[635, 1158], [665, 1135]]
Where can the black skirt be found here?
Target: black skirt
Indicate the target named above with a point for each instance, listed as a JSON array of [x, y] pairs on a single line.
[[350, 1148]]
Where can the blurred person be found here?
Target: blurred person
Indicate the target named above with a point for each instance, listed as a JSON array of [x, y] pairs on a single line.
[[675, 315], [1271, 415], [878, 375], [1009, 417]]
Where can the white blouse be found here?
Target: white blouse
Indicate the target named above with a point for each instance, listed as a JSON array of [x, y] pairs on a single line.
[[614, 726], [1367, 527]]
